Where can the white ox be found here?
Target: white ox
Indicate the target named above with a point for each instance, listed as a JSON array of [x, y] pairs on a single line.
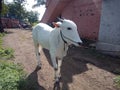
[[56, 40]]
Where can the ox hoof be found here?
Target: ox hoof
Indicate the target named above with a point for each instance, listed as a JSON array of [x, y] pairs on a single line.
[[57, 79], [56, 86], [39, 66], [60, 78]]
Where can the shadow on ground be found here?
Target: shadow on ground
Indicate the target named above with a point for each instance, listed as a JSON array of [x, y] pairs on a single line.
[[69, 68], [32, 81], [76, 63]]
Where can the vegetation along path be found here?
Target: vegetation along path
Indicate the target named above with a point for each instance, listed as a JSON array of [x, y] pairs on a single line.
[[82, 69]]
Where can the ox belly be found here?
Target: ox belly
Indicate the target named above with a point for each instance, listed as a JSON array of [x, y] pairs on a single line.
[[60, 52]]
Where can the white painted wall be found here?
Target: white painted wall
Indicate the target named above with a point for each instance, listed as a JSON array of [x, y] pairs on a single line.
[[109, 33]]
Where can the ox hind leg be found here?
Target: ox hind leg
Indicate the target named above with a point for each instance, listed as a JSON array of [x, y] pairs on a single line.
[[37, 51]]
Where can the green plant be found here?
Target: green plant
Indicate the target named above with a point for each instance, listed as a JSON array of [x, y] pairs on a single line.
[[5, 53], [1, 36], [35, 23], [117, 81], [11, 76]]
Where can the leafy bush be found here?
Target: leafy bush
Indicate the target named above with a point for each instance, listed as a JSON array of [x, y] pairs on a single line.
[[11, 76]]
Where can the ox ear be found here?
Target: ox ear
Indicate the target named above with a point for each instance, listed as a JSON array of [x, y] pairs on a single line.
[[60, 19], [55, 24]]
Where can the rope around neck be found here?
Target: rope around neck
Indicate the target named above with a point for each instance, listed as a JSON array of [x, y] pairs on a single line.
[[63, 36]]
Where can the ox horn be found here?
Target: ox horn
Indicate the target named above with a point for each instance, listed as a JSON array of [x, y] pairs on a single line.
[[60, 19]]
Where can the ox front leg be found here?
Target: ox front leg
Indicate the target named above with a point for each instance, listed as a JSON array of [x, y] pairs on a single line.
[[59, 67], [53, 58], [58, 71]]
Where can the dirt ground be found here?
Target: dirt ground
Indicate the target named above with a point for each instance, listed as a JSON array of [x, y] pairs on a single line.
[[82, 68]]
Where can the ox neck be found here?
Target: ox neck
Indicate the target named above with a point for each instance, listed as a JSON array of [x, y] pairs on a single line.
[[62, 37], [64, 41]]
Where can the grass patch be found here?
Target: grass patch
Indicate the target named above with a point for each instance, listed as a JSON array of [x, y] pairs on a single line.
[[1, 36], [5, 53], [117, 81], [11, 76]]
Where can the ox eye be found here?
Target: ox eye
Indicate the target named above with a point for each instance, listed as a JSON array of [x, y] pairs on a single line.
[[69, 28]]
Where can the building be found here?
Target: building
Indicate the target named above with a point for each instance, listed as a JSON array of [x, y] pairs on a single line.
[[85, 13], [97, 20]]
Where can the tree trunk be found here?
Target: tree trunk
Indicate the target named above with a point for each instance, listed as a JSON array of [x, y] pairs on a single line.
[[1, 26]]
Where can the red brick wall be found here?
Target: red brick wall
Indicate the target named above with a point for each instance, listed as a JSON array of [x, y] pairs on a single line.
[[86, 14], [10, 23]]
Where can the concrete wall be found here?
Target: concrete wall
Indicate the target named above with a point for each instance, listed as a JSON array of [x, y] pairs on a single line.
[[109, 33]]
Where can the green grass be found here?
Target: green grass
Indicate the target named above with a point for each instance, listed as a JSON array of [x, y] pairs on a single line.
[[11, 76], [117, 81], [1, 36], [5, 53]]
